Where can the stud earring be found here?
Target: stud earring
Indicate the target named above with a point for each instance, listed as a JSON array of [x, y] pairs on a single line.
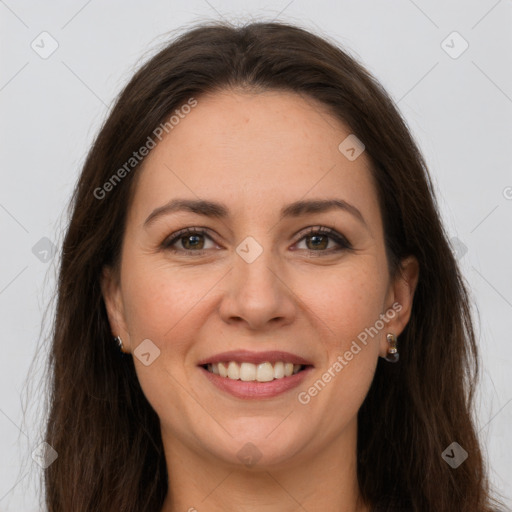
[[119, 342], [392, 356]]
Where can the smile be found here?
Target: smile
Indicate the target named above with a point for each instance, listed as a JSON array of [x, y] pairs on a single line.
[[247, 372]]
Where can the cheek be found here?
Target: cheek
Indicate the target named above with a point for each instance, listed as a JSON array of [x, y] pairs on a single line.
[[346, 300], [159, 299], [350, 307], [162, 305], [347, 303]]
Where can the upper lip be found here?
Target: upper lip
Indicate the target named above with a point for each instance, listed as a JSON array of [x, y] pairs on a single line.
[[241, 356]]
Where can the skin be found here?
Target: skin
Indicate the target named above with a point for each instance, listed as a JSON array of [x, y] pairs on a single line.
[[256, 152]]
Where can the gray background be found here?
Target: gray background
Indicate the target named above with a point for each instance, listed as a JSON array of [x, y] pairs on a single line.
[[457, 108]]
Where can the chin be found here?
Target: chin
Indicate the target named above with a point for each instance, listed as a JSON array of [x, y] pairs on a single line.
[[261, 445]]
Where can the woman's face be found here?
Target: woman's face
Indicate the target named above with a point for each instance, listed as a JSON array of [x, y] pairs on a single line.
[[260, 278]]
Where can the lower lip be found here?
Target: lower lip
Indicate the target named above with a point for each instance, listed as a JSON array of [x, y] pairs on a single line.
[[254, 389]]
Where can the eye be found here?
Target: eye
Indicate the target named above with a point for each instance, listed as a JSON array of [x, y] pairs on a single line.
[[190, 239], [318, 238], [193, 243]]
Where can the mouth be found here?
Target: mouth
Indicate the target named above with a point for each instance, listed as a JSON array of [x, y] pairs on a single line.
[[255, 375], [250, 372], [255, 366]]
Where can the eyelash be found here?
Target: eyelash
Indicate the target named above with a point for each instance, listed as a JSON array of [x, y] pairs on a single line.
[[321, 230]]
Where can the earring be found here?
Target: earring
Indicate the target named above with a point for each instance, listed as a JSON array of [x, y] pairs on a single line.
[[392, 355], [119, 342]]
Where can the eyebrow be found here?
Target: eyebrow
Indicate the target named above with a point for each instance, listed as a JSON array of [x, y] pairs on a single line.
[[221, 211]]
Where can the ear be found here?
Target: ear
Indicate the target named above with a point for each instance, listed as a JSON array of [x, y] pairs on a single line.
[[400, 300], [111, 291]]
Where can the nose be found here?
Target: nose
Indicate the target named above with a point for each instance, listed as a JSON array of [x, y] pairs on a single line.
[[259, 294]]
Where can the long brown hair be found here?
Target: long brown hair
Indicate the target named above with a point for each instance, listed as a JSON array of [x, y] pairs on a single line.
[[107, 436]]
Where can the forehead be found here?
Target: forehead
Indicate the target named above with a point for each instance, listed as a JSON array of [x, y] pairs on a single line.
[[254, 151]]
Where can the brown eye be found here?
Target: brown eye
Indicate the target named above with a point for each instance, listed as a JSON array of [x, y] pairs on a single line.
[[317, 240], [192, 241], [189, 240]]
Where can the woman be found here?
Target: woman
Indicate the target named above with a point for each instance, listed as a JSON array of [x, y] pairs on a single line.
[[258, 307]]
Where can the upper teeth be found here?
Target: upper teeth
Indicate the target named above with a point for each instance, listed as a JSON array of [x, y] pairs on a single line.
[[263, 372]]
